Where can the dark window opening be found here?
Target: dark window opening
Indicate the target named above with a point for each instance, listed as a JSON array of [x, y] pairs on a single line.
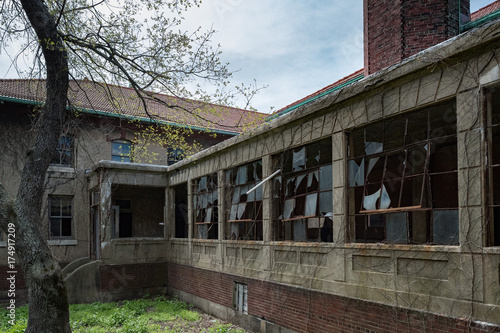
[[303, 193], [205, 203], [493, 171], [61, 217], [244, 213], [63, 155], [181, 211], [402, 177]]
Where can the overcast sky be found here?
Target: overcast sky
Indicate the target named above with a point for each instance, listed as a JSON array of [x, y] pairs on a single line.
[[295, 47]]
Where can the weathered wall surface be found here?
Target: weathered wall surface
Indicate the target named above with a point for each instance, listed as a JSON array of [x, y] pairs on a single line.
[[458, 281]]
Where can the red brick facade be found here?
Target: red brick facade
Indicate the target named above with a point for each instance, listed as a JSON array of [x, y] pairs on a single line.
[[304, 310], [397, 29]]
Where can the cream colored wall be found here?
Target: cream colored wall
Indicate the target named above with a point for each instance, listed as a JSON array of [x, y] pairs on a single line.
[[460, 281]]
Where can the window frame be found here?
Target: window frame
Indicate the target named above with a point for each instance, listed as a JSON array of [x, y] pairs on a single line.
[[492, 124], [240, 304], [422, 207], [204, 188], [297, 182], [63, 155], [120, 156], [252, 223], [52, 217]]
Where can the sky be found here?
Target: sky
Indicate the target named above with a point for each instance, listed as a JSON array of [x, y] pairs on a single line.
[[293, 47]]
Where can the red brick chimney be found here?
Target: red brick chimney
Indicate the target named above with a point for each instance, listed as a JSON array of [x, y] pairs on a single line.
[[397, 29]]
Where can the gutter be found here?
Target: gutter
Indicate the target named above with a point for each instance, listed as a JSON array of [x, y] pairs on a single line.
[[340, 86], [120, 116]]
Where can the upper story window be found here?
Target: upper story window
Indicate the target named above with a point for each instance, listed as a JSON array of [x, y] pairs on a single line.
[[402, 173], [121, 151], [205, 203], [174, 155], [63, 155], [245, 212], [61, 217], [303, 199], [493, 171]]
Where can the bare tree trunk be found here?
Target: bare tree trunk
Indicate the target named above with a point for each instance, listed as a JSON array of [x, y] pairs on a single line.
[[48, 303]]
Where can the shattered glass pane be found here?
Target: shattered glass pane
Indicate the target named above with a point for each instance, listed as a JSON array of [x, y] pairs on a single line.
[[395, 166], [277, 187], [204, 200], [356, 173], [299, 230], [325, 151], [288, 209], [325, 203], [311, 201], [445, 227], [241, 176], [234, 211], [300, 185], [312, 158], [312, 181], [202, 184], [236, 195], [374, 148], [290, 187], [396, 228], [325, 176], [443, 155], [258, 193], [208, 217], [251, 195], [375, 169], [417, 127], [235, 230], [241, 209], [299, 159]]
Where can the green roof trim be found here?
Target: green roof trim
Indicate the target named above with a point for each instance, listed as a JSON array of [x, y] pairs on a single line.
[[120, 116], [484, 19], [329, 91]]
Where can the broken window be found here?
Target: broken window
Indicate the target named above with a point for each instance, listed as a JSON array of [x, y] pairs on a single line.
[[493, 174], [402, 177], [121, 151], [205, 207], [63, 155], [244, 214], [303, 201], [61, 217]]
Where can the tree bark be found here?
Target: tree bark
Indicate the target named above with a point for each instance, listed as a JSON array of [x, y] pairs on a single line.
[[48, 303]]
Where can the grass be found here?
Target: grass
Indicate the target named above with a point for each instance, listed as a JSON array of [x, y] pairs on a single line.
[[140, 316]]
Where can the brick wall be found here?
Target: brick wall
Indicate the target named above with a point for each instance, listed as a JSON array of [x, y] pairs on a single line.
[[304, 310], [397, 29]]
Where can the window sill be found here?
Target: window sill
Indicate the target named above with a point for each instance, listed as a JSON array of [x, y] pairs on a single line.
[[63, 169], [62, 242], [404, 247]]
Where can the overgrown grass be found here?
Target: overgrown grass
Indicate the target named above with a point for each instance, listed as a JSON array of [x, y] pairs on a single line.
[[145, 315]]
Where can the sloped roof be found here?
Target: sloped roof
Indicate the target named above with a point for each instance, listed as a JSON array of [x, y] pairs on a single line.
[[486, 10], [114, 100], [338, 84]]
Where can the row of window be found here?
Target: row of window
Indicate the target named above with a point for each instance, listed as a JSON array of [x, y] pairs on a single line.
[[121, 151], [402, 186]]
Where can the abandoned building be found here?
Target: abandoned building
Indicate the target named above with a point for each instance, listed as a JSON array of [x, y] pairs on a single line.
[[370, 205]]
